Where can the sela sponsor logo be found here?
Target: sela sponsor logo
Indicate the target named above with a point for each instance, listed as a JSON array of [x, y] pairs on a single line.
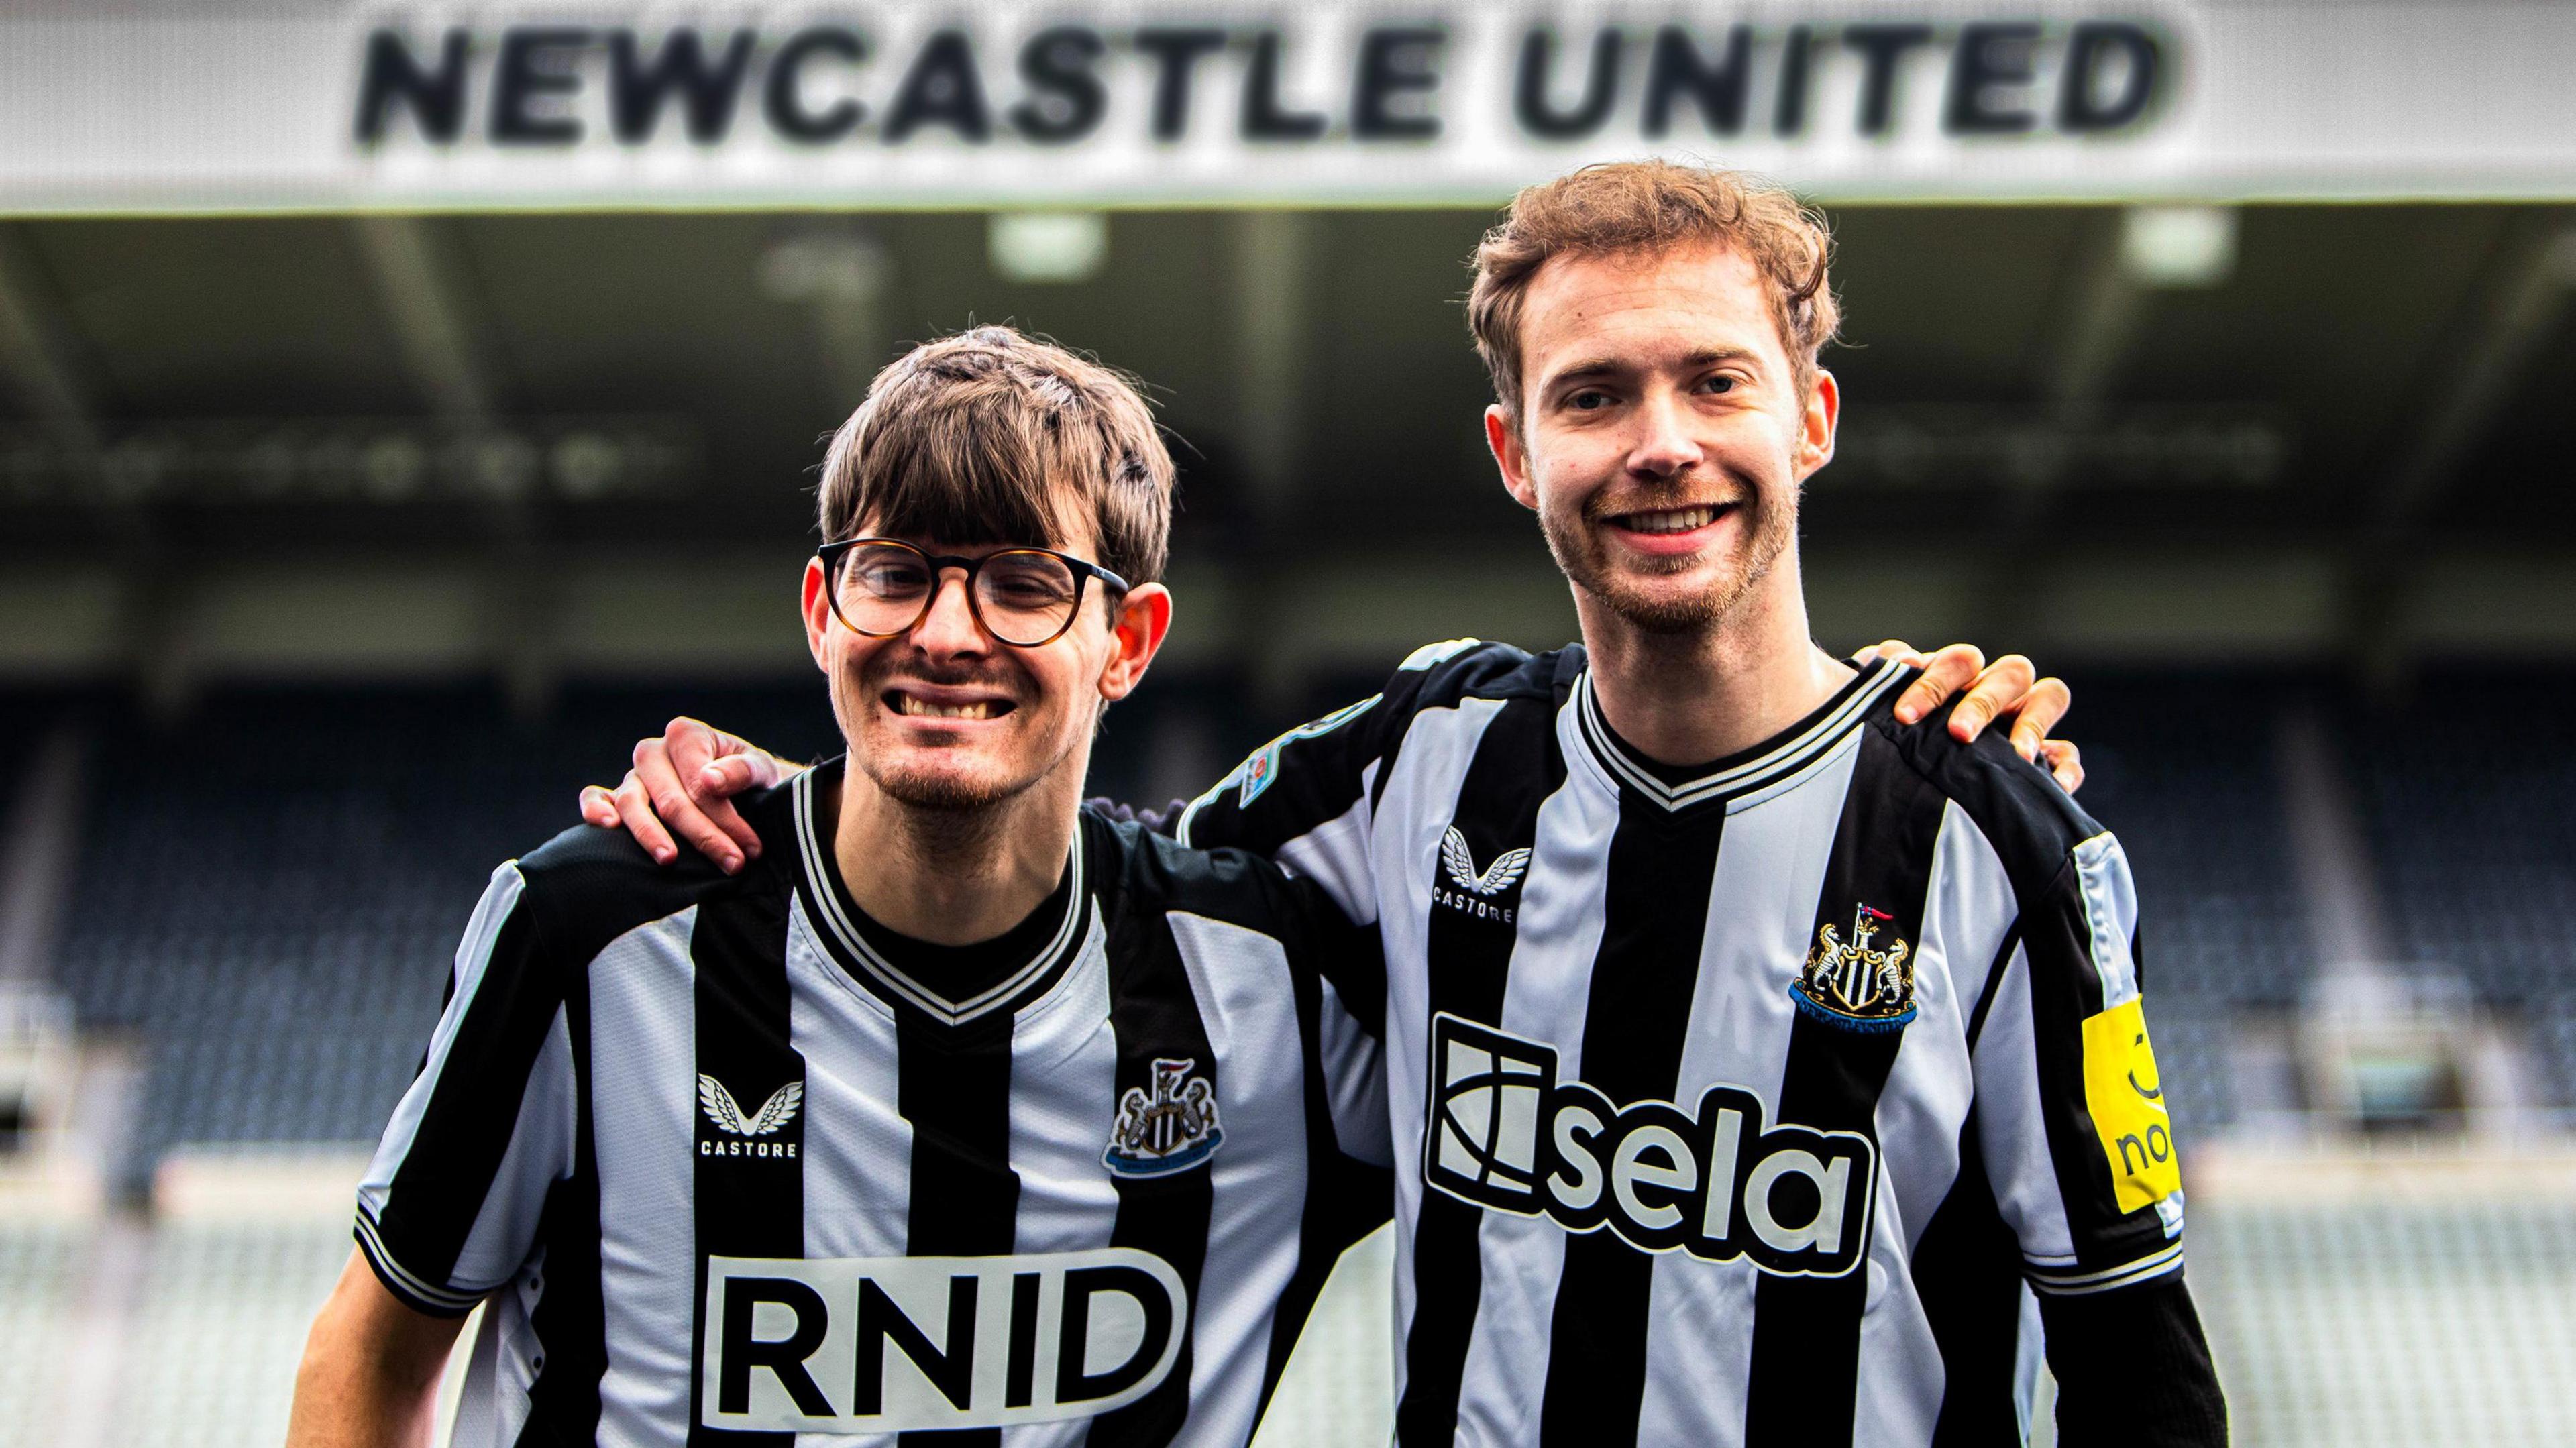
[[1852, 987], [1505, 1134], [1475, 892], [1170, 1129], [749, 1133], [895, 1344]]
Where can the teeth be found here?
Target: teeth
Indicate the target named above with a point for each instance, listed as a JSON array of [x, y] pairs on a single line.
[[913, 704], [1674, 520]]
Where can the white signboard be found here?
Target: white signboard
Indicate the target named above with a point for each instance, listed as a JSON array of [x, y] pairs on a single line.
[[181, 105]]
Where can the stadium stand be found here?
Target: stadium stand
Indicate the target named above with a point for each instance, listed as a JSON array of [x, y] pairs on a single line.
[[2471, 799], [2183, 770], [210, 1362], [270, 896], [2416, 1324], [38, 1271]]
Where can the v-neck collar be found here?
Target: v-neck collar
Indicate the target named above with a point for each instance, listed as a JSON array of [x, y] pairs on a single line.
[[835, 915], [1784, 754]]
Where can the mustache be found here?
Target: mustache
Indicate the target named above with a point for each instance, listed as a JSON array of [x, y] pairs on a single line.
[[1598, 508]]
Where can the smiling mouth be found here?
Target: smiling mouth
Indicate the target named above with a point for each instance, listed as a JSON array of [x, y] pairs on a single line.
[[1671, 520], [913, 706]]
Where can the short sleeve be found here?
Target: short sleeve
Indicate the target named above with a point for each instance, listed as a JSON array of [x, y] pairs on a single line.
[[2077, 1133], [450, 1205]]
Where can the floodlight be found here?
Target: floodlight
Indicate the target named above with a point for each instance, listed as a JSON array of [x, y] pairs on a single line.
[[2178, 246], [1049, 246]]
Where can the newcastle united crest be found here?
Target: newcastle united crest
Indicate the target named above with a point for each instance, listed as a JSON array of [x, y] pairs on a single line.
[[1853, 984], [1170, 1130]]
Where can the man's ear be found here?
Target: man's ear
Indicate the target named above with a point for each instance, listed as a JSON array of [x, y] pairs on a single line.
[[819, 622], [1503, 439], [1817, 424], [1143, 617]]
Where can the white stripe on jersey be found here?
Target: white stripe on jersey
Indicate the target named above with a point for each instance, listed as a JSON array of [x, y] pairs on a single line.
[[1335, 856], [2009, 1122], [1738, 1036], [2111, 908], [854, 1205], [1248, 1003], [644, 1105]]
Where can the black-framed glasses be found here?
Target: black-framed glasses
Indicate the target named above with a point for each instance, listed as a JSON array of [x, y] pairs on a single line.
[[881, 587]]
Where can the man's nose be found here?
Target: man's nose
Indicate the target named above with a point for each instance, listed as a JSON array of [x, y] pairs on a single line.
[[1666, 444], [947, 628]]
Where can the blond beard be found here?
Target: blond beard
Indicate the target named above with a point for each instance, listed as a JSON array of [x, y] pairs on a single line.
[[1577, 557]]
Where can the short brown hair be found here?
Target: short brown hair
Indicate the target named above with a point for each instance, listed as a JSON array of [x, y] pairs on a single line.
[[972, 438], [1650, 207]]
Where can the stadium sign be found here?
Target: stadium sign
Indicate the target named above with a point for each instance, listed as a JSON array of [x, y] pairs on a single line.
[[164, 105]]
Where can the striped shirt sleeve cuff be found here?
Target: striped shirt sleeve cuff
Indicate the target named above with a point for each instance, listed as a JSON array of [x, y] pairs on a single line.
[[410, 1288], [2076, 1282]]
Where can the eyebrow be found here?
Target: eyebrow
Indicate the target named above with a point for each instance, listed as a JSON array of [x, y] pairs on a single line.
[[1612, 366]]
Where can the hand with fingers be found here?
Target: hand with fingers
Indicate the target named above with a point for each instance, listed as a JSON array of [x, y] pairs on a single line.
[[2008, 687], [683, 784]]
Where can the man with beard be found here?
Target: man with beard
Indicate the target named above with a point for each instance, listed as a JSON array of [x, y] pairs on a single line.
[[1767, 1061]]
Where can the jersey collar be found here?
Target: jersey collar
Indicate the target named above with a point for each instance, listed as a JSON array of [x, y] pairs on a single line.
[[834, 914], [1795, 749]]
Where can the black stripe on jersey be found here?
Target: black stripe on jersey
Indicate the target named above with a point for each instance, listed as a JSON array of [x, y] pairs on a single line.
[[1155, 1015], [465, 1127], [1994, 983], [1346, 1198], [1967, 1274], [570, 1318], [1662, 866], [1469, 956], [954, 1085], [1805, 1362], [749, 1190], [2065, 990]]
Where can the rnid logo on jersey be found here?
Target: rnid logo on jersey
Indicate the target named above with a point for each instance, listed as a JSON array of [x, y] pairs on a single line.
[[1504, 1133], [894, 1344]]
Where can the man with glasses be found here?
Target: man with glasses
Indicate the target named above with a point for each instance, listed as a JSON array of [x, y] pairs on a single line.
[[962, 1109], [1767, 1056]]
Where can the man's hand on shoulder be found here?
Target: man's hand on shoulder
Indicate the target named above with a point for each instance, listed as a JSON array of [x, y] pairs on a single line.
[[683, 784], [2008, 687]]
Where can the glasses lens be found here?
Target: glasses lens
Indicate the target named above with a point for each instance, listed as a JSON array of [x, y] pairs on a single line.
[[1026, 598], [881, 588]]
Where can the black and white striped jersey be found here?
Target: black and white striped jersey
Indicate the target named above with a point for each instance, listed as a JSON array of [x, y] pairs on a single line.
[[1734, 1104], [728, 1172]]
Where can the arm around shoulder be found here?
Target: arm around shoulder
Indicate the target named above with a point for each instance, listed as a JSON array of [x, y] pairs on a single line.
[[371, 1368]]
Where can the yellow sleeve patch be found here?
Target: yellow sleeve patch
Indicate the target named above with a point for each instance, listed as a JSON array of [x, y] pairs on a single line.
[[2127, 1101]]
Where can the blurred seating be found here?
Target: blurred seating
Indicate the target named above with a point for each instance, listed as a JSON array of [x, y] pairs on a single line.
[[39, 1266], [225, 1306], [2409, 1325], [2471, 796], [2182, 770], [270, 896]]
